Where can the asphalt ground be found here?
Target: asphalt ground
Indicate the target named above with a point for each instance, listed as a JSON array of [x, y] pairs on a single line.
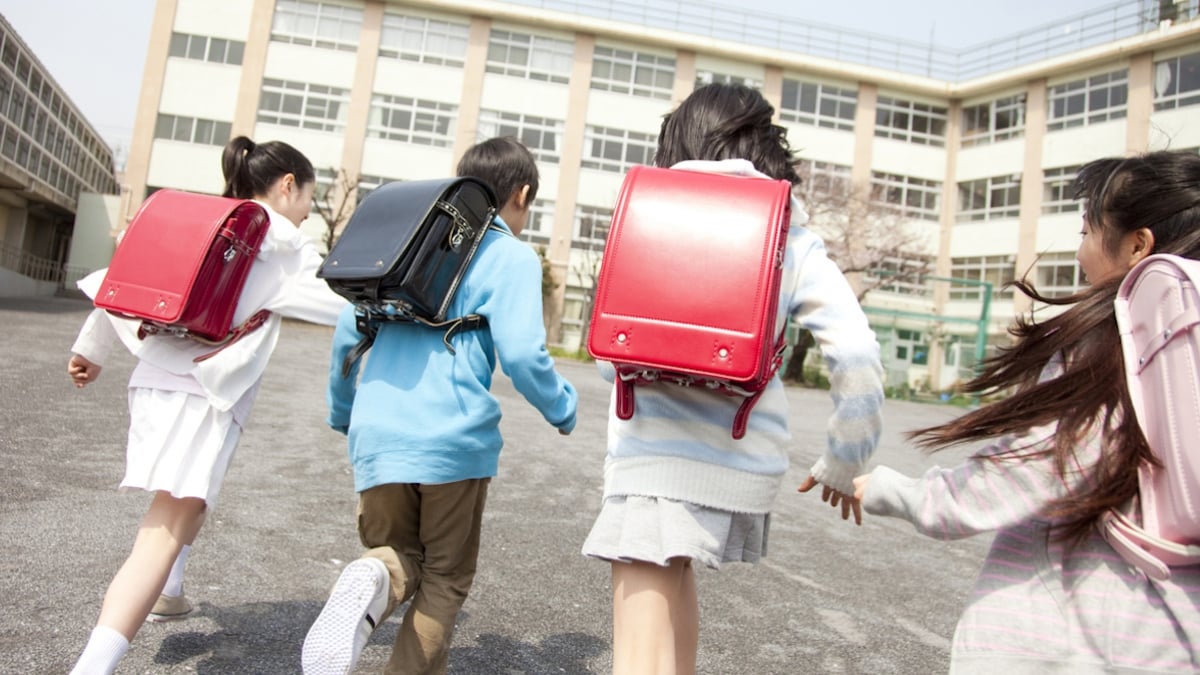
[[829, 598]]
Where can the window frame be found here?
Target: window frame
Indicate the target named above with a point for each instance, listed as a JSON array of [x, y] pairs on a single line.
[[897, 118], [524, 128], [438, 40], [883, 184], [560, 52], [421, 112], [1085, 92], [843, 102], [311, 98], [321, 15], [639, 66], [626, 140], [996, 193]]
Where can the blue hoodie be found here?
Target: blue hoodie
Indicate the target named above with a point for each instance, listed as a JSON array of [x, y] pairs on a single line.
[[423, 415]]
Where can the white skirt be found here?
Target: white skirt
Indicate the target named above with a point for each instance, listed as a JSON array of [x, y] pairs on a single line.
[[178, 443], [654, 530]]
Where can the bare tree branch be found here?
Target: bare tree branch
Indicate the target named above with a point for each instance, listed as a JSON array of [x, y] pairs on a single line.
[[335, 203]]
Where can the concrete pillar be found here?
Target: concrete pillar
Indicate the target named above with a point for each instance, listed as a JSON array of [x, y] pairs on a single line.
[[254, 64], [1140, 104], [472, 92], [137, 166], [569, 163], [1031, 185]]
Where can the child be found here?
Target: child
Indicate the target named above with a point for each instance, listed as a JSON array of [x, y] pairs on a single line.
[[186, 418], [425, 439], [677, 488], [1053, 596]]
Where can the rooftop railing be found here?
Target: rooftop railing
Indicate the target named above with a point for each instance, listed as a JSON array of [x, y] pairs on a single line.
[[1100, 25]]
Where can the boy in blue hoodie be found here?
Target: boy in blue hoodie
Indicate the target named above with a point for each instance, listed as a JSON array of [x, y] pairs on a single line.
[[425, 441]]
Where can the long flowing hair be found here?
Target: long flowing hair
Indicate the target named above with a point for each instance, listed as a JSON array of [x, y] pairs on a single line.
[[1159, 191]]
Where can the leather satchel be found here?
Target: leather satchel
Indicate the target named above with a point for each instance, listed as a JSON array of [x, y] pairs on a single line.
[[689, 285], [182, 264], [404, 252]]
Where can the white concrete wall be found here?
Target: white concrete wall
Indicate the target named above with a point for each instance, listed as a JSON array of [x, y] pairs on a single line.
[[229, 19], [97, 222]]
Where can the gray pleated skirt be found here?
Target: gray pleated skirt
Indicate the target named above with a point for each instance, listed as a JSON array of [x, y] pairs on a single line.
[[654, 530]]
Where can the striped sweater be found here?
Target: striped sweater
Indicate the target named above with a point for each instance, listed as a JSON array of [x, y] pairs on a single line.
[[678, 444], [1037, 606]]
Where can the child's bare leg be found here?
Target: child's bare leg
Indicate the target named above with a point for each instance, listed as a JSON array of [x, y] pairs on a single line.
[[655, 618], [685, 616], [168, 525]]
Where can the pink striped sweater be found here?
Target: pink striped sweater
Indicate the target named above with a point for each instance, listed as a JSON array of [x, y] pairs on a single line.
[[1037, 607]]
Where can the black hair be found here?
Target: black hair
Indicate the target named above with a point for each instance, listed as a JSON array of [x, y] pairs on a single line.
[[727, 121], [505, 164], [250, 169], [1159, 191]]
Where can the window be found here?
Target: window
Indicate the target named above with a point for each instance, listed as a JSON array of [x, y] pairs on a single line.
[[997, 269], [530, 56], [298, 104], [1058, 187], [192, 130], [989, 198], [541, 135], [1177, 82], [823, 179], [910, 121], [1088, 101], [1058, 274], [993, 121], [399, 118], [907, 196], [366, 184], [617, 150], [317, 24], [704, 77], [202, 48], [820, 105], [900, 273], [413, 38], [628, 72], [541, 223], [591, 227]]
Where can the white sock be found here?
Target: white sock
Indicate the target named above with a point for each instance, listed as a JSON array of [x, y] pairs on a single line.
[[102, 654], [174, 585]]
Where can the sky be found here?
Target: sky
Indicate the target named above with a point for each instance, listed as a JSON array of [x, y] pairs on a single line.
[[96, 49]]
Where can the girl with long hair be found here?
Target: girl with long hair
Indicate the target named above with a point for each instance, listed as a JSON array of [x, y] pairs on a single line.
[[1053, 596]]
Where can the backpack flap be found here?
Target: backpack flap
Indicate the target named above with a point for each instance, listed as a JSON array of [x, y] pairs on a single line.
[[180, 245], [460, 219], [408, 243], [1158, 315]]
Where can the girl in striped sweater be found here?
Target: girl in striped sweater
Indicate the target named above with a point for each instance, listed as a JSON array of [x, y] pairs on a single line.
[[1053, 596], [678, 488]]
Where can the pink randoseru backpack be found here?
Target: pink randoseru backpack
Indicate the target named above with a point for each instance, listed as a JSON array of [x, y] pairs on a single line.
[[1158, 313]]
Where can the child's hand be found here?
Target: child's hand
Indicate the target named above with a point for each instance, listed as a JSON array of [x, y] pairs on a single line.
[[860, 485], [833, 497], [82, 371]]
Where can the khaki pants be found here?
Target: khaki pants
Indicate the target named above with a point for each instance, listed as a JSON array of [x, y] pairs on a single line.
[[428, 536]]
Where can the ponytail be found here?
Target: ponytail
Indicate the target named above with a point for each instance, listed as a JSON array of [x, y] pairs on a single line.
[[251, 169]]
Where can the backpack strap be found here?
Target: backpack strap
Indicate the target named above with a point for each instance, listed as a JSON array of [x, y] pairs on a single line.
[[367, 322]]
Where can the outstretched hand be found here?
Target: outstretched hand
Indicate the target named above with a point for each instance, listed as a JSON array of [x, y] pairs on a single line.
[[848, 503]]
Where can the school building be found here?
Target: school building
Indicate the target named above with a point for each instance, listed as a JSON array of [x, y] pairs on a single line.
[[967, 154], [54, 170]]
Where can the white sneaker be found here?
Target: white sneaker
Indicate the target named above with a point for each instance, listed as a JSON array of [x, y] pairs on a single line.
[[355, 606]]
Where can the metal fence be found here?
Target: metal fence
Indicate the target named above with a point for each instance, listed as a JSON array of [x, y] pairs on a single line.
[[40, 269], [1099, 25]]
